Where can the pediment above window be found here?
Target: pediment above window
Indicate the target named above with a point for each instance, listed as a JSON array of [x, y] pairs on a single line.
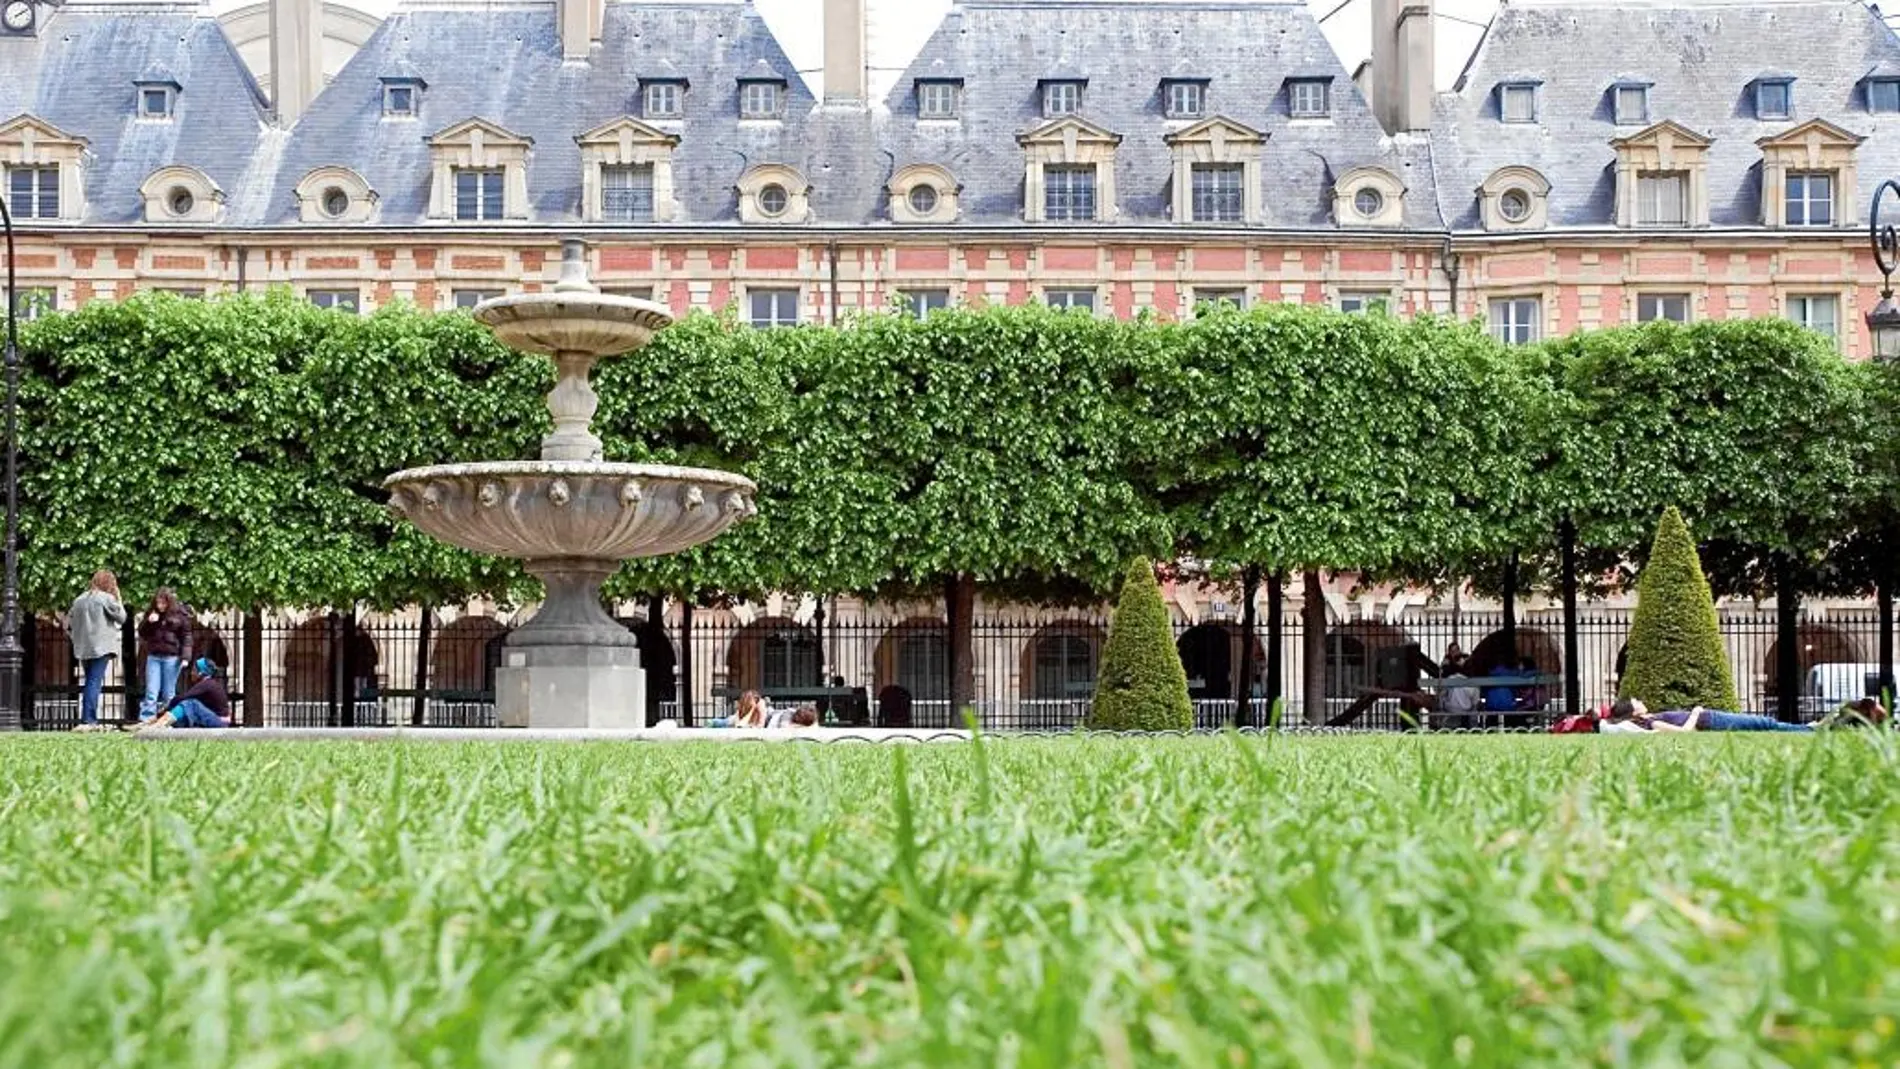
[[774, 193], [180, 194], [1218, 131], [28, 132], [478, 150], [1812, 162], [1514, 198], [626, 132], [1662, 176], [1369, 196], [478, 133], [31, 143], [1069, 131], [1666, 136], [335, 195], [1815, 135]]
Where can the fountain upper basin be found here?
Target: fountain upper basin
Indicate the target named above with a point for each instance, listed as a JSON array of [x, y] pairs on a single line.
[[546, 509], [572, 322]]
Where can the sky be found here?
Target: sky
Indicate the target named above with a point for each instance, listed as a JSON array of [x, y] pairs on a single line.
[[898, 29]]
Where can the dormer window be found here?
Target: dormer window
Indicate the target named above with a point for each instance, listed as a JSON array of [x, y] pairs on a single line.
[[1517, 102], [1883, 95], [1774, 98], [1184, 99], [402, 98], [938, 99], [663, 100], [760, 100], [1061, 98], [1307, 98], [157, 93], [1632, 104], [155, 102]]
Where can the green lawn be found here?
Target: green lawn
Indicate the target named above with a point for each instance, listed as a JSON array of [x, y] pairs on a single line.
[[1310, 902]]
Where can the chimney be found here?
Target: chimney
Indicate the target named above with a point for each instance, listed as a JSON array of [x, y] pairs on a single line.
[[845, 80], [580, 26], [1403, 64], [296, 56]]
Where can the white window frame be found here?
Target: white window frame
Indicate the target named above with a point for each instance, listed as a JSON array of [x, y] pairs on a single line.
[[41, 193], [1224, 198], [32, 302], [1800, 308], [469, 298], [348, 297], [1234, 295], [1647, 205], [776, 312], [391, 110], [663, 100], [483, 201], [167, 99], [642, 293], [919, 303], [1883, 87], [1654, 307], [1070, 298], [1804, 207], [1516, 320], [1078, 181], [620, 193], [1522, 92], [1362, 302], [1638, 115], [938, 100], [1061, 98], [1309, 98], [761, 100], [1785, 87], [1185, 100]]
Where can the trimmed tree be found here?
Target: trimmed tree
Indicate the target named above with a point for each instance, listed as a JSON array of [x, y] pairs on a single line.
[[1142, 686], [1676, 659]]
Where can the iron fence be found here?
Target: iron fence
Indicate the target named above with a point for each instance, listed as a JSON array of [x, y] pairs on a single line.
[[1032, 670]]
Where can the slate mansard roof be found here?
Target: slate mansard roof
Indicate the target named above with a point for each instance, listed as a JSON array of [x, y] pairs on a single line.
[[78, 75], [1701, 63], [1245, 51]]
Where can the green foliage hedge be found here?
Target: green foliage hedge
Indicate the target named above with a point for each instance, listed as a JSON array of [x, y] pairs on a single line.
[[235, 448], [1676, 659], [1141, 685]]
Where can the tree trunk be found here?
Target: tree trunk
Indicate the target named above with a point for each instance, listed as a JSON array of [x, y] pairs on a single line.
[[1883, 598], [1510, 610], [419, 710], [959, 599], [1243, 688], [1787, 642], [1313, 626], [253, 676], [1276, 628], [686, 663], [1573, 679]]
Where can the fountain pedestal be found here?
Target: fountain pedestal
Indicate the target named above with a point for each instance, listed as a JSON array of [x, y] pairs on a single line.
[[571, 517]]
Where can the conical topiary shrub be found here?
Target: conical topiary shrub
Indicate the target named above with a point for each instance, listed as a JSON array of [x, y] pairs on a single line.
[[1676, 659], [1142, 686]]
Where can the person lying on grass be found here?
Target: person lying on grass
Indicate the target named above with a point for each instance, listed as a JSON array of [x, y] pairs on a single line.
[[204, 704], [1633, 711], [1861, 713]]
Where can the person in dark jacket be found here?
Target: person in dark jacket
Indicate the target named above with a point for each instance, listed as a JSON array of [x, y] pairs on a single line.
[[165, 630], [204, 704]]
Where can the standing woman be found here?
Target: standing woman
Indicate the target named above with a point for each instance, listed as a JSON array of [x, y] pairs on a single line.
[[94, 622], [166, 632]]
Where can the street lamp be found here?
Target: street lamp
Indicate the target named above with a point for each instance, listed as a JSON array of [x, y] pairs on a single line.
[[11, 653], [1883, 323]]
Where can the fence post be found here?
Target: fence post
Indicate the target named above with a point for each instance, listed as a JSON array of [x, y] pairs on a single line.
[[1510, 609], [29, 668], [1243, 689], [686, 662], [334, 669], [1276, 636], [132, 672], [1573, 671], [420, 713], [252, 649], [1883, 596]]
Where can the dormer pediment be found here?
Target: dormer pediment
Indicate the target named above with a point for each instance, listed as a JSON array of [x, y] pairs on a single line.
[[1069, 130], [30, 130], [1666, 135], [1217, 128], [627, 130], [1815, 133], [475, 132]]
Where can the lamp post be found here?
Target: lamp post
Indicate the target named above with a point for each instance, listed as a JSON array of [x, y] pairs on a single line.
[[1883, 323], [11, 653]]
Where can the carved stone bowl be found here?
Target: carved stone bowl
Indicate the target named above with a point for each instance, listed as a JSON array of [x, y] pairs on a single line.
[[580, 322], [546, 509]]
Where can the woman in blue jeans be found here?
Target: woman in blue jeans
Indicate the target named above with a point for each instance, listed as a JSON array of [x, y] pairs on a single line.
[[204, 704], [94, 622], [1697, 719], [166, 632]]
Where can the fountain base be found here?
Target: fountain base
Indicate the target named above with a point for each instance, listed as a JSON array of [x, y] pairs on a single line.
[[566, 687]]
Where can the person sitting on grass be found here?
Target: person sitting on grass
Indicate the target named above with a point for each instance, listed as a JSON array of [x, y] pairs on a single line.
[[204, 704], [1632, 710], [806, 716], [750, 713]]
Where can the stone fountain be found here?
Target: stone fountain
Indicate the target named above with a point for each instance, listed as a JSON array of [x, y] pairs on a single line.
[[570, 516]]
